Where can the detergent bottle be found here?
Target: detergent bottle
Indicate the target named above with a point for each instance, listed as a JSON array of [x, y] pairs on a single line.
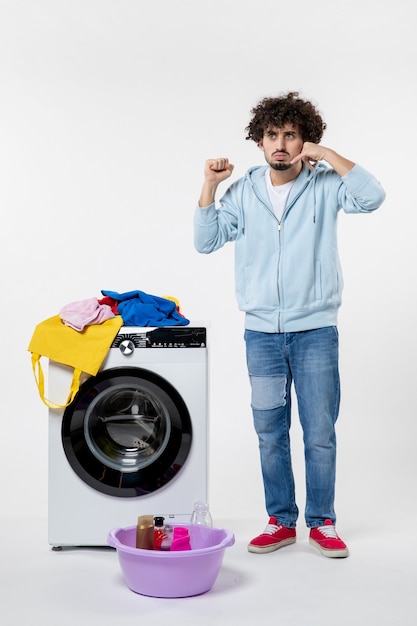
[[181, 539]]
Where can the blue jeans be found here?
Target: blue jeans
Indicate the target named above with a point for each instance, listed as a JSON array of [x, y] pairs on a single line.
[[310, 359]]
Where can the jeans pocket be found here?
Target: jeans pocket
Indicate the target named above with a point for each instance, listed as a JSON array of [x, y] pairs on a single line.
[[268, 392]]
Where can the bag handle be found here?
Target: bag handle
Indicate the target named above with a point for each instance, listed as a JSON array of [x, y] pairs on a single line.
[[40, 383]]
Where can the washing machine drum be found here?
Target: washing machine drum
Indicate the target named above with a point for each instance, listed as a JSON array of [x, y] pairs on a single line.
[[127, 433]]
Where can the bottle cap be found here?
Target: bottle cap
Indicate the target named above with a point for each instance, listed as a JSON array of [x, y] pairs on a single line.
[[145, 521], [201, 505]]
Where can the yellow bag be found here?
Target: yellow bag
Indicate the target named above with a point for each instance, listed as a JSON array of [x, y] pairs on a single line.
[[85, 351]]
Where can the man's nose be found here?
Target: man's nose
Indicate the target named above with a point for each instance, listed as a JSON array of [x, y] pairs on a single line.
[[280, 142]]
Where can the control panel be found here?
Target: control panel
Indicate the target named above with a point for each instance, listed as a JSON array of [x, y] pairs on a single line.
[[163, 337]]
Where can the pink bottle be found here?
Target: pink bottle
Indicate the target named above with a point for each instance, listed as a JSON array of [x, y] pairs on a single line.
[[181, 539]]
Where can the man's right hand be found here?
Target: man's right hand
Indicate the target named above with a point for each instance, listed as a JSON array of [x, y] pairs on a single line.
[[215, 171]]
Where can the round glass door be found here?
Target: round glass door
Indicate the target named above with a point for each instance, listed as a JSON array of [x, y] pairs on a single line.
[[127, 433]]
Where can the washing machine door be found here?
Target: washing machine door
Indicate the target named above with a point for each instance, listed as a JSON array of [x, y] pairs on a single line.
[[127, 433]]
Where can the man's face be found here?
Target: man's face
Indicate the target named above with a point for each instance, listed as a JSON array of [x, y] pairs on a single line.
[[280, 145]]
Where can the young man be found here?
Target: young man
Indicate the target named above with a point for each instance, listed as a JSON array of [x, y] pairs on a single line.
[[282, 218]]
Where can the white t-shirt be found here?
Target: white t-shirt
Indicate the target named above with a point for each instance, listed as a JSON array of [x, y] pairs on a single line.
[[278, 195]]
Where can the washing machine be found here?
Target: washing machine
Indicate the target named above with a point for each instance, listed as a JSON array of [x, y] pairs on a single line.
[[134, 440]]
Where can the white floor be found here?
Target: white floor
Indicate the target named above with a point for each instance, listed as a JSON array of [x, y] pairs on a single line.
[[375, 586]]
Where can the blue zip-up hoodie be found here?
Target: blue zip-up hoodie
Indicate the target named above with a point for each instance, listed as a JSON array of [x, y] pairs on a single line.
[[288, 275]]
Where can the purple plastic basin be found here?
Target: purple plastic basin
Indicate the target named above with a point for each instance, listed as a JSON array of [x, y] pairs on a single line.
[[172, 574]]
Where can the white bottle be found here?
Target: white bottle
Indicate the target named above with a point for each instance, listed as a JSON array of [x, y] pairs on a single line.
[[201, 533], [201, 515]]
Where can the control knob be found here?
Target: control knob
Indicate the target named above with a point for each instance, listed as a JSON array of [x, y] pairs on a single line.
[[127, 347]]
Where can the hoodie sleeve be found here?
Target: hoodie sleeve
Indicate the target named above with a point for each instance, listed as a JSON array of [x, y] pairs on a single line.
[[215, 227], [360, 191]]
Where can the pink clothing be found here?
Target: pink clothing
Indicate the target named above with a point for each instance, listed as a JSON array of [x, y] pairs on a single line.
[[83, 313]]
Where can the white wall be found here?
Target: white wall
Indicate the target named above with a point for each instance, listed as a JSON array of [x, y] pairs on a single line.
[[108, 109]]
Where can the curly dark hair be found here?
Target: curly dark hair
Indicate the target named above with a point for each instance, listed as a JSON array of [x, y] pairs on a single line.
[[286, 109]]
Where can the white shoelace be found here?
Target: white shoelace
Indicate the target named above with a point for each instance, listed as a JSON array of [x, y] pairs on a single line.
[[271, 529], [328, 531]]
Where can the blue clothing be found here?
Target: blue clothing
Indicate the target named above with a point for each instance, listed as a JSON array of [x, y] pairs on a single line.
[[138, 308], [310, 359], [288, 275]]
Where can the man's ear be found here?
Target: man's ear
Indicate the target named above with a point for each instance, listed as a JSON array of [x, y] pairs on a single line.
[[261, 144]]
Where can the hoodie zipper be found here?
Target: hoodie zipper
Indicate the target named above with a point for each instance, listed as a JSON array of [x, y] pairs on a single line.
[[255, 191], [279, 259]]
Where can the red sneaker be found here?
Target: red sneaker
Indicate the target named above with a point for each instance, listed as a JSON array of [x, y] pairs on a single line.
[[274, 536], [326, 539]]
